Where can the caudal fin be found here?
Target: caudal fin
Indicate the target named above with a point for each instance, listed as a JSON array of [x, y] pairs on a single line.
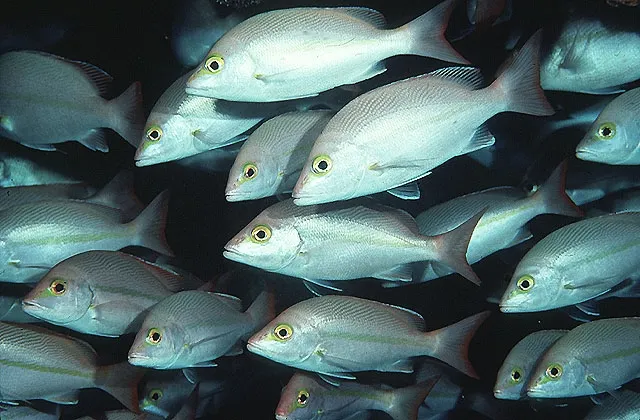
[[426, 34], [119, 194], [553, 195], [261, 311], [121, 381], [452, 248], [519, 81], [452, 342], [150, 225], [406, 401], [128, 114]]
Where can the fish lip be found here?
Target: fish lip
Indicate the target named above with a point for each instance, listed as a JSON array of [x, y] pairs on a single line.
[[232, 254], [31, 304], [135, 357], [535, 393], [281, 416], [255, 348], [305, 200], [236, 196], [508, 308], [584, 153]]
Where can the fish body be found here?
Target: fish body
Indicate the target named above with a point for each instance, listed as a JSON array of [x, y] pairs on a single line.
[[39, 364], [16, 170], [195, 338], [271, 159], [337, 335], [96, 294], [597, 181], [575, 61], [622, 406], [518, 366], [336, 241], [575, 263], [116, 415], [592, 358], [630, 201], [275, 55], [445, 394], [438, 116], [34, 237], [24, 412], [307, 396], [46, 99], [503, 225], [614, 137], [212, 161]]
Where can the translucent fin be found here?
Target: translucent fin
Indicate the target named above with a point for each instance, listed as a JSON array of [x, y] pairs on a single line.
[[366, 15], [410, 191], [95, 140], [481, 138], [470, 77]]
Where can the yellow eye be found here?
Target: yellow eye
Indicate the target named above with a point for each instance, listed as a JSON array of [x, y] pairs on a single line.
[[321, 164], [303, 398], [155, 395], [214, 64], [606, 131], [525, 283], [154, 336], [554, 371], [249, 171], [516, 375], [154, 133], [283, 332], [261, 233], [58, 287]]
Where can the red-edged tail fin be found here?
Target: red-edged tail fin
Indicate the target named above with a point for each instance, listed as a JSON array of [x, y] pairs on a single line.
[[121, 381], [406, 401], [150, 225], [553, 194]]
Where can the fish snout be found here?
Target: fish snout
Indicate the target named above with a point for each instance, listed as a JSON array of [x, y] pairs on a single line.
[[298, 189], [281, 416]]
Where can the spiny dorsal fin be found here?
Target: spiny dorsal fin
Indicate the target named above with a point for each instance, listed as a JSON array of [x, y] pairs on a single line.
[[470, 77], [366, 15]]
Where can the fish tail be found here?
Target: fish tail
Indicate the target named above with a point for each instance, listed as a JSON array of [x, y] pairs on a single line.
[[452, 342], [519, 80], [129, 116], [121, 381], [553, 195], [119, 194], [406, 401], [426, 34], [150, 225], [261, 311], [452, 248]]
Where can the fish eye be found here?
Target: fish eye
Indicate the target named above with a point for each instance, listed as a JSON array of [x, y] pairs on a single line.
[[525, 283], [155, 394], [249, 171], [154, 133], [554, 371], [516, 375], [58, 287], [303, 398], [606, 131], [261, 233], [154, 336], [283, 332], [321, 164], [214, 64]]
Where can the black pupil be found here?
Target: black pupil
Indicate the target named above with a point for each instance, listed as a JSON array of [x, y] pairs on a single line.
[[516, 375], [59, 288], [250, 172], [302, 398], [155, 336], [554, 371], [606, 131], [525, 284], [154, 134], [214, 65], [155, 396], [323, 165], [282, 332], [261, 234]]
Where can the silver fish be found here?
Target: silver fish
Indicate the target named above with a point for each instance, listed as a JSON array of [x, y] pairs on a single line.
[[275, 55], [212, 161], [93, 292], [116, 415], [518, 365], [39, 364], [338, 335], [575, 263], [439, 116], [16, 170], [336, 241], [35, 237], [24, 412], [173, 337], [622, 406], [445, 394], [46, 99], [594, 181], [574, 62], [592, 358]]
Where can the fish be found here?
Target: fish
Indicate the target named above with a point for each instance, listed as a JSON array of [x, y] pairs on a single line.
[[614, 137], [445, 394], [16, 170], [625, 405], [485, 13], [503, 225], [307, 396], [594, 181], [23, 412], [438, 116], [34, 237], [330, 242], [628, 202], [592, 358], [212, 161], [174, 337], [518, 365], [47, 99], [574, 61], [116, 415], [337, 335], [93, 293], [11, 311], [40, 364], [575, 263], [275, 56]]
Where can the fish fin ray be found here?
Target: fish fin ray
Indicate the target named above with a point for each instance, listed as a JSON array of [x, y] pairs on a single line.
[[410, 191], [399, 273], [481, 138], [365, 14], [469, 77]]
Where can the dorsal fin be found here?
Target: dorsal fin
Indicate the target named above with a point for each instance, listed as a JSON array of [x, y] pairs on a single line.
[[470, 77], [412, 317], [232, 301], [366, 15]]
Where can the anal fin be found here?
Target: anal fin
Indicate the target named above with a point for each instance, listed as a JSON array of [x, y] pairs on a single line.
[[403, 273], [481, 138], [410, 191]]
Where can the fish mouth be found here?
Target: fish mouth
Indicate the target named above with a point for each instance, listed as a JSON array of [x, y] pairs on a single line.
[[233, 254], [584, 153], [255, 348], [508, 308], [306, 199], [30, 305], [536, 393], [237, 196], [281, 416], [138, 359]]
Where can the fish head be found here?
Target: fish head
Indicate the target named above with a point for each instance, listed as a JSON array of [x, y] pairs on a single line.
[[559, 375], [533, 288], [62, 296], [253, 175], [301, 398], [269, 241], [157, 398], [333, 171], [158, 344], [609, 139], [511, 380]]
